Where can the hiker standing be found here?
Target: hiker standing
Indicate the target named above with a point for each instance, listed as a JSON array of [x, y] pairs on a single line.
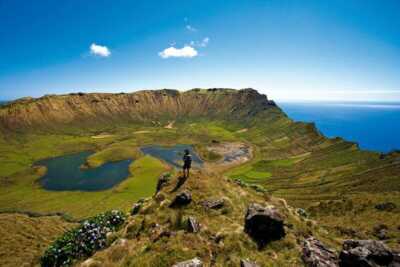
[[187, 162]]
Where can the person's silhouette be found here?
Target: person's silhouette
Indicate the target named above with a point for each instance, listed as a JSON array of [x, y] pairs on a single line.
[[187, 163]]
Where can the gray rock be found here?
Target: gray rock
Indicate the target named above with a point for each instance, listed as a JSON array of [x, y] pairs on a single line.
[[162, 181], [182, 199], [193, 225], [302, 212], [136, 208], [396, 260], [213, 204], [196, 262], [365, 253], [263, 224], [247, 263], [316, 254], [381, 232], [386, 206]]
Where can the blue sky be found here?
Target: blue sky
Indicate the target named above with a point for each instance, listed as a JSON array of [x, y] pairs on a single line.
[[290, 50]]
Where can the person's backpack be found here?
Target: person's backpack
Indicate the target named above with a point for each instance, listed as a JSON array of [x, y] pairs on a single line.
[[187, 159]]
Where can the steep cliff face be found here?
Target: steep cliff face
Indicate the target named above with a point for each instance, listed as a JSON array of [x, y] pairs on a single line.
[[142, 106]]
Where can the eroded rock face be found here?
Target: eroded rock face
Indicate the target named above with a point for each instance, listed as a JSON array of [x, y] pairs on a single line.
[[49, 112], [316, 254], [263, 224], [182, 199], [196, 262], [247, 263], [366, 253]]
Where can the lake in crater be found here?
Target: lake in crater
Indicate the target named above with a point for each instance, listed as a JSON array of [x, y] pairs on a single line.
[[64, 173], [172, 154]]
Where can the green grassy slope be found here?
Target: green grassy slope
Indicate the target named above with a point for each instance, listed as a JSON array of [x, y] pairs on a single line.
[[24, 239], [338, 184]]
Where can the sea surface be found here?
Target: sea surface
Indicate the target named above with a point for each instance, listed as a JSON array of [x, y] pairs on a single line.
[[374, 126]]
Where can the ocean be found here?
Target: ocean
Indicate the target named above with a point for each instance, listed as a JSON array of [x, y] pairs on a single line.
[[374, 126]]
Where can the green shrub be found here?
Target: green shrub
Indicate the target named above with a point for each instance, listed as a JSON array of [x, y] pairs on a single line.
[[83, 241]]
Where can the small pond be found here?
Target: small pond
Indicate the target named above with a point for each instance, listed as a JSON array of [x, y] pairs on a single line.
[[172, 154], [65, 173]]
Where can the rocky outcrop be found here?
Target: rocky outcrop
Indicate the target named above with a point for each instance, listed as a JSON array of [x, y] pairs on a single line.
[[190, 263], [182, 199], [263, 224], [316, 254], [366, 253]]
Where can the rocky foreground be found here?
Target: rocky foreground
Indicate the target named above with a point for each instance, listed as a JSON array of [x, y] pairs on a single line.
[[207, 220]]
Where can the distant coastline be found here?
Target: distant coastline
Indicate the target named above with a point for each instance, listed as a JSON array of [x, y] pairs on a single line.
[[373, 125]]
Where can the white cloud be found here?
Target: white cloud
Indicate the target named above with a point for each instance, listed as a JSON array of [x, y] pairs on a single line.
[[204, 42], [185, 52], [191, 28], [99, 50]]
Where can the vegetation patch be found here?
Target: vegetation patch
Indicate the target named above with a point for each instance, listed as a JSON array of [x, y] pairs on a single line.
[[83, 241], [25, 237], [207, 154], [251, 173], [113, 153]]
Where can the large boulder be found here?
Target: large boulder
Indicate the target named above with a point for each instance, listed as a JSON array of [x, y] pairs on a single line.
[[366, 253], [316, 254], [182, 199], [190, 263], [263, 224]]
